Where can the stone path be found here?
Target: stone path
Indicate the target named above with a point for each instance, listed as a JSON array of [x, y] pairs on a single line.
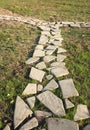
[[48, 64]]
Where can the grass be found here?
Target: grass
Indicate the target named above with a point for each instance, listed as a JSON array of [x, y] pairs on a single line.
[[66, 10]]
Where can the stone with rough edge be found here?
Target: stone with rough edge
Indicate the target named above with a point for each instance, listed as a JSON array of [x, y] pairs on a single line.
[[49, 52], [51, 85], [59, 71], [7, 127], [22, 111], [61, 50], [56, 43], [32, 60], [36, 74], [31, 88], [61, 124], [41, 65], [55, 64], [48, 58], [68, 104], [51, 47], [31, 101], [49, 77], [81, 112], [87, 127], [44, 28], [39, 47], [60, 57], [43, 40], [39, 53], [39, 87], [52, 102], [68, 88], [32, 123]]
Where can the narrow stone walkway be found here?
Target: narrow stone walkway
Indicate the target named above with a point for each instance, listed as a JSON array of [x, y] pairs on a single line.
[[48, 64]]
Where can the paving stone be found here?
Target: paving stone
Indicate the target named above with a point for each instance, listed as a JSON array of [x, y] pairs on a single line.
[[22, 111], [81, 112], [32, 60], [31, 101], [47, 33], [61, 124], [87, 127], [44, 28], [39, 53], [40, 115], [50, 52], [60, 57], [59, 71], [56, 43], [68, 88], [52, 102], [59, 64], [39, 88], [48, 58], [52, 47], [36, 74], [31, 88], [41, 65], [33, 123], [68, 104], [43, 40], [51, 85], [7, 127], [61, 50], [49, 76], [39, 47]]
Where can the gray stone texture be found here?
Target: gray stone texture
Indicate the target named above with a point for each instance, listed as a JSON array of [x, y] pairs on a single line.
[[41, 65], [87, 127], [32, 60], [68, 104], [31, 101]]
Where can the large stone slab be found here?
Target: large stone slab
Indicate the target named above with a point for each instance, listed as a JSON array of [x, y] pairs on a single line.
[[22, 111], [36, 74], [31, 101], [68, 88], [87, 127], [61, 124], [48, 58], [33, 123], [7, 127], [41, 65], [59, 71], [51, 85], [52, 102], [81, 112], [32, 60], [39, 53], [31, 88]]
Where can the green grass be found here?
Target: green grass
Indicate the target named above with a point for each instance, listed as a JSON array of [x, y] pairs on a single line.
[[63, 10]]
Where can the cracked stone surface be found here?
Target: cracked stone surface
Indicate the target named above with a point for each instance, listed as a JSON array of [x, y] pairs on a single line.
[[31, 101]]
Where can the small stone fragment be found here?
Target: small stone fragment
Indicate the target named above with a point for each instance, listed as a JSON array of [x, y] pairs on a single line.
[[36, 74], [41, 65], [51, 85], [39, 87], [87, 127], [48, 58], [52, 102], [7, 127], [32, 60], [31, 101], [22, 111], [68, 88], [49, 76], [68, 104], [61, 124], [60, 57], [39, 53], [61, 50], [33, 123], [31, 88], [81, 112]]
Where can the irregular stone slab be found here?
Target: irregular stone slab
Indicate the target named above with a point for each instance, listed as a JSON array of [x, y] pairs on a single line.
[[68, 89], [38, 53], [47, 33], [7, 127], [51, 85], [31, 88], [52, 102], [68, 104], [55, 64], [39, 47], [44, 28], [22, 111], [61, 50], [49, 77], [61, 124], [50, 52], [32, 60], [31, 101], [43, 40], [48, 58], [33, 123], [56, 43], [40, 115], [59, 71], [39, 88], [36, 74], [51, 47], [60, 57], [41, 65], [81, 112], [87, 127]]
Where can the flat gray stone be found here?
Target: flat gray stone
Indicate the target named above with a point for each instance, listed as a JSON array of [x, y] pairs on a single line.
[[51, 47], [36, 74], [49, 77], [81, 112], [39, 88], [60, 57], [22, 111], [41, 65], [40, 115], [43, 40], [39, 47], [59, 64], [87, 127], [51, 85], [7, 127], [31, 101], [68, 89], [32, 60], [68, 104], [50, 52], [59, 71], [61, 50], [52, 102], [44, 28], [48, 58], [56, 43], [33, 123], [39, 53], [61, 124], [47, 33], [31, 88]]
